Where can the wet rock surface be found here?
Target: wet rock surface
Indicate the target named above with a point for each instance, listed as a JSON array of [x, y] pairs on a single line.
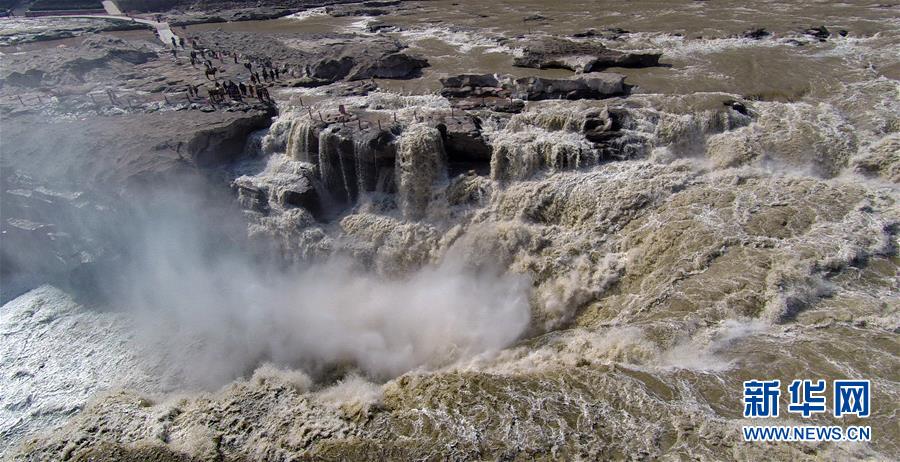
[[96, 58], [597, 85], [19, 31], [590, 86], [325, 57], [557, 52], [115, 150]]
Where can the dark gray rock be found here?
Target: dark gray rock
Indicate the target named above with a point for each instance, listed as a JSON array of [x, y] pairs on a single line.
[[99, 56], [821, 33], [382, 4], [534, 17], [498, 92], [388, 66], [339, 12], [756, 34], [323, 57], [495, 104], [556, 52], [609, 33], [378, 26], [122, 149], [463, 141], [251, 197], [590, 86], [467, 85], [307, 199]]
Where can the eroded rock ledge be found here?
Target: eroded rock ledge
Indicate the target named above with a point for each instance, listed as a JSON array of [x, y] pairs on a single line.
[[561, 53], [589, 86]]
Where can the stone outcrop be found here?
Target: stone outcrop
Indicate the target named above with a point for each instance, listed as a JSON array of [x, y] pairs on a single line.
[[756, 34], [46, 28], [351, 11], [387, 66], [96, 57], [117, 150], [379, 63], [463, 140], [561, 53], [590, 86], [609, 33], [324, 58], [224, 141], [467, 85]]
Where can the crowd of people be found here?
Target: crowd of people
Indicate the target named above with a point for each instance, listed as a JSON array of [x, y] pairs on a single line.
[[260, 73], [232, 91]]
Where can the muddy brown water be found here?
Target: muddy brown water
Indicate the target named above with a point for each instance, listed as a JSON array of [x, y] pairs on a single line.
[[656, 362], [700, 41]]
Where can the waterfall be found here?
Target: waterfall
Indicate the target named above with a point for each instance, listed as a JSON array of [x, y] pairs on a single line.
[[303, 142], [518, 156], [365, 164], [332, 165], [420, 163]]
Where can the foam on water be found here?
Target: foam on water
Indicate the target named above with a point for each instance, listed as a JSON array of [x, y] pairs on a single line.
[[463, 40], [55, 355], [310, 13], [582, 306]]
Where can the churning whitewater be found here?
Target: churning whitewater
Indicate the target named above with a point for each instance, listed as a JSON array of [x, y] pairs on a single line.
[[510, 231]]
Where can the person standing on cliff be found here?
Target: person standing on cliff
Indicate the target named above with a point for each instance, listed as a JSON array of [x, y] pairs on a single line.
[[181, 42], [174, 42]]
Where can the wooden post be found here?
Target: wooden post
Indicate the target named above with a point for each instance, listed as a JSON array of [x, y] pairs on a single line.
[[320, 116], [301, 101], [309, 109], [20, 99], [379, 124]]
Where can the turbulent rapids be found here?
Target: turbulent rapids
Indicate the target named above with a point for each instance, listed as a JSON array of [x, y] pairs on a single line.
[[454, 235]]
